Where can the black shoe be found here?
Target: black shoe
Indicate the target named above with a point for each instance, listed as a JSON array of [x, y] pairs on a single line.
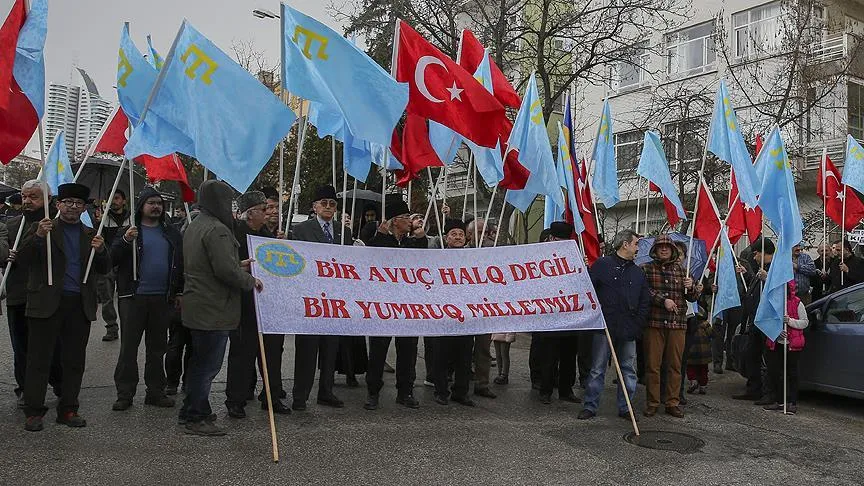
[[278, 407], [440, 400], [408, 401], [371, 403], [485, 393], [121, 404], [33, 424], [236, 411], [746, 396], [331, 401], [170, 391], [545, 398], [464, 401], [501, 380], [299, 405], [72, 419], [110, 335], [585, 415], [570, 398], [161, 402], [351, 381], [203, 428]]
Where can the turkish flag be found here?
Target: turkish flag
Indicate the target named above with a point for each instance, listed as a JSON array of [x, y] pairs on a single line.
[[441, 90], [169, 168], [833, 197], [18, 117], [590, 237], [417, 152], [671, 210], [470, 57], [706, 221], [741, 218]]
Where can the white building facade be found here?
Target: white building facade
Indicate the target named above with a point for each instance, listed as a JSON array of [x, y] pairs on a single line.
[[79, 110]]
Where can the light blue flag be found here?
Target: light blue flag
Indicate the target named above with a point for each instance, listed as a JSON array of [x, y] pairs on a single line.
[[154, 58], [321, 65], [605, 166], [206, 106], [58, 169], [727, 280], [654, 167], [327, 122], [726, 142], [551, 211], [356, 157], [530, 138], [383, 157], [779, 204], [565, 177], [135, 77], [29, 66], [445, 142], [853, 170]]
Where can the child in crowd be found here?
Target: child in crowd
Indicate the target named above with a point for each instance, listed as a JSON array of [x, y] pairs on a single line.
[[699, 356], [502, 356]]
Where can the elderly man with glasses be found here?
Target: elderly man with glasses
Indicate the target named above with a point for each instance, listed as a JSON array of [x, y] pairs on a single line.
[[63, 309]]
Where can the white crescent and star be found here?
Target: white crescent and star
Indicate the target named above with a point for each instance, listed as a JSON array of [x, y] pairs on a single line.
[[420, 80]]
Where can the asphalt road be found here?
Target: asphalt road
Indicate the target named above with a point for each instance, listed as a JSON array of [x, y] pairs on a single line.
[[513, 439]]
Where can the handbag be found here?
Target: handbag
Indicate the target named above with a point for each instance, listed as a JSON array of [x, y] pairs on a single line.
[[740, 343]]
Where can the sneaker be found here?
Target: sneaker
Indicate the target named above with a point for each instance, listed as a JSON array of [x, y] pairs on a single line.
[[586, 414], [408, 401], [121, 404], [71, 419], [111, 335], [33, 424], [371, 403], [203, 428], [428, 383], [464, 401], [162, 402]]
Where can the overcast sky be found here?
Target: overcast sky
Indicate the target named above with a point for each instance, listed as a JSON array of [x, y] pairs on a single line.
[[86, 33]]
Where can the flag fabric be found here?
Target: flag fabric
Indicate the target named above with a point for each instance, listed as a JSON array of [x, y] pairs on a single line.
[[671, 210], [530, 138], [605, 165], [206, 106], [591, 236], [832, 195], [154, 58], [356, 156], [727, 281], [445, 92], [417, 152], [445, 142], [742, 218], [322, 66], [726, 142], [22, 75], [853, 170], [780, 206], [566, 180], [706, 221], [135, 77], [114, 134], [472, 54], [388, 156], [58, 169], [654, 167]]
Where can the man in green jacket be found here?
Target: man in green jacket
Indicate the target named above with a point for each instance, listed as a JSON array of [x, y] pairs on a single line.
[[215, 280]]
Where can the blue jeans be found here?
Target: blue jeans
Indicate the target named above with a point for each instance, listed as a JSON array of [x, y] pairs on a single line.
[[600, 353], [208, 352]]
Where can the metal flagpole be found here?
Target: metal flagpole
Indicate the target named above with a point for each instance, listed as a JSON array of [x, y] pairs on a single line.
[[488, 210], [500, 222], [104, 218], [647, 198], [132, 219], [437, 214], [333, 157], [429, 206], [17, 241], [92, 149], [344, 190], [476, 228], [467, 182], [843, 236], [45, 196], [188, 213], [824, 212], [353, 206], [638, 205], [409, 191], [292, 200], [281, 180], [621, 381], [785, 344], [444, 189]]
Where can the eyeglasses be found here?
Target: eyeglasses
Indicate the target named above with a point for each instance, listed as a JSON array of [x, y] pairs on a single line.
[[328, 203], [73, 203]]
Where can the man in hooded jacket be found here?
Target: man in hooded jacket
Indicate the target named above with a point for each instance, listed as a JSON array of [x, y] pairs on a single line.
[[145, 303], [215, 279]]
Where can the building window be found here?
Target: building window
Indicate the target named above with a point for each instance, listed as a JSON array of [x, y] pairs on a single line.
[[856, 110], [757, 31], [632, 72], [684, 141], [691, 51], [628, 148]]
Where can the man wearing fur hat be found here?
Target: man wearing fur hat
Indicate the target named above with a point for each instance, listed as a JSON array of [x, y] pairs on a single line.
[[244, 349], [313, 351], [65, 308]]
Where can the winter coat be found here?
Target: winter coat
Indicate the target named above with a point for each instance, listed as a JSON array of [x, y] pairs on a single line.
[[795, 331], [121, 252], [623, 294], [213, 278], [666, 281], [700, 344]]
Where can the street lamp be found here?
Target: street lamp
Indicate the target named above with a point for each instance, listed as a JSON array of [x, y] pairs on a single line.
[[263, 13]]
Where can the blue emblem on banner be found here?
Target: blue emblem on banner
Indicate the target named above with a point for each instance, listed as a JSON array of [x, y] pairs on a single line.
[[279, 259]]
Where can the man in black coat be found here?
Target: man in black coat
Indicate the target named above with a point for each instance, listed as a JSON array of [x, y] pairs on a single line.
[[396, 232], [762, 251], [623, 294], [846, 269], [146, 302], [312, 351], [245, 347]]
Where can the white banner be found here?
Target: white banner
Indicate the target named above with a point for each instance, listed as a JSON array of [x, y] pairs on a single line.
[[316, 288]]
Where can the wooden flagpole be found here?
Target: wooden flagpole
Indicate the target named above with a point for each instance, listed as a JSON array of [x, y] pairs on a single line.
[[621, 381], [437, 214], [47, 199], [104, 219], [292, 200]]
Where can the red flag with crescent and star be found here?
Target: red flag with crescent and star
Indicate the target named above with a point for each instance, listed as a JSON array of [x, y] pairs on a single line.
[[442, 90], [742, 218], [471, 55], [832, 194]]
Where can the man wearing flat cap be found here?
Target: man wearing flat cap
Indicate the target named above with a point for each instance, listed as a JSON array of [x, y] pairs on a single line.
[[396, 232], [312, 350], [244, 349], [65, 308]]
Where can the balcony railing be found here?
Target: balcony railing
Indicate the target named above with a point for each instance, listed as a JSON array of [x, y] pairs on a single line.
[[831, 47]]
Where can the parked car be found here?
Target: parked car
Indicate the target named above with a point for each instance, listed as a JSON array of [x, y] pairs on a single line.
[[832, 358]]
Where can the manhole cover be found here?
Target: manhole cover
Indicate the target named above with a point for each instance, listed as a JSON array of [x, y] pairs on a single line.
[[666, 441]]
